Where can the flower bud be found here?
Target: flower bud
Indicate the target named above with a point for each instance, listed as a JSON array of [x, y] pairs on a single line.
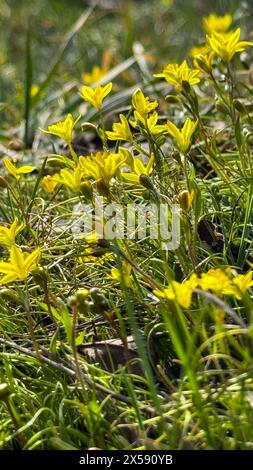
[[102, 243], [3, 183], [185, 200], [160, 140], [202, 64], [99, 303], [86, 189], [72, 300], [4, 392], [239, 106], [146, 182], [88, 126], [103, 189], [9, 295], [186, 86], [94, 293], [172, 99], [222, 107], [79, 300], [82, 295], [40, 277]]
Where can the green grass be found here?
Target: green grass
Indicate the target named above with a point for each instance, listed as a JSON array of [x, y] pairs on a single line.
[[178, 378]]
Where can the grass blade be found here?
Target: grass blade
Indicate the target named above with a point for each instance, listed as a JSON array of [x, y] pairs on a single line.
[[28, 86], [68, 38]]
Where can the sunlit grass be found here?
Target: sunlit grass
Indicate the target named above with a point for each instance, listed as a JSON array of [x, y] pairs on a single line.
[[119, 343]]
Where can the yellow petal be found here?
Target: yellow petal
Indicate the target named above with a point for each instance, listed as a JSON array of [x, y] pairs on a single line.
[[6, 268], [8, 278], [106, 90], [11, 168], [25, 169]]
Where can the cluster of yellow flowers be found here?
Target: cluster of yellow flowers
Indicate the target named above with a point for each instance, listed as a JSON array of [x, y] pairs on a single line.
[[219, 42], [20, 264], [216, 280], [82, 172], [102, 166]]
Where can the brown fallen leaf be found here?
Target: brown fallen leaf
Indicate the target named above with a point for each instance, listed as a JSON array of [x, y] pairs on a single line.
[[112, 353]]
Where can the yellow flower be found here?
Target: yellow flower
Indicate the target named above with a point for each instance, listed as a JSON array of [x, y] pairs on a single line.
[[226, 45], [8, 235], [17, 172], [49, 183], [182, 293], [182, 136], [152, 125], [150, 122], [193, 281], [95, 255], [221, 282], [139, 169], [71, 179], [197, 50], [97, 95], [120, 130], [123, 275], [63, 129], [142, 105], [242, 282], [176, 74], [204, 62], [97, 250], [97, 72], [95, 75], [213, 23], [20, 265], [129, 159], [202, 58], [216, 280], [102, 165]]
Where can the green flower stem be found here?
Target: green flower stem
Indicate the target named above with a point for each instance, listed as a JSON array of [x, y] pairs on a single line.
[[26, 303], [74, 349], [72, 152]]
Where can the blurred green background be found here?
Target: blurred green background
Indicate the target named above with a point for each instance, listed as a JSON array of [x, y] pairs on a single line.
[[166, 29]]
